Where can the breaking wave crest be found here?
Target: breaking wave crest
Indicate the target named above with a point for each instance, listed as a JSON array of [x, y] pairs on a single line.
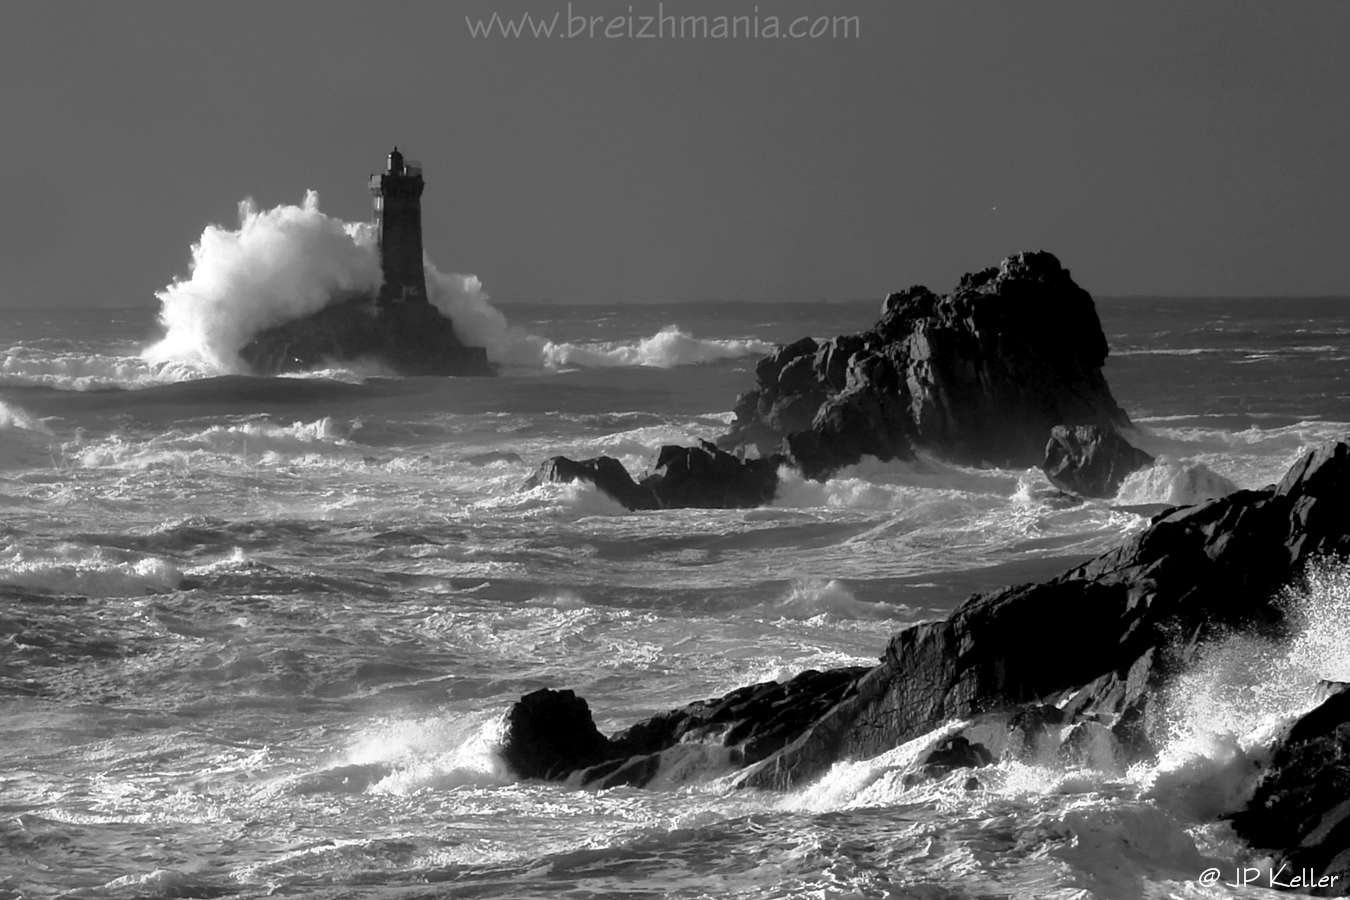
[[1175, 482], [1089, 819]]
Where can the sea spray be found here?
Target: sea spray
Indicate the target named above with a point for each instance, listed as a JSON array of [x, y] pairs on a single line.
[[279, 264], [1176, 482]]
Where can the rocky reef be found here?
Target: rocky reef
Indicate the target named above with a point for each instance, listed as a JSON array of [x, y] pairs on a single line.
[[703, 477], [1079, 660], [408, 338], [978, 376]]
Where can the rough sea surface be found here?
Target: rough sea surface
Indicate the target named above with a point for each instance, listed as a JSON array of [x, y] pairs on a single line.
[[256, 635]]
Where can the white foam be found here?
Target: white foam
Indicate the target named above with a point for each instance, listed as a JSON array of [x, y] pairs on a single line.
[[1176, 482], [245, 442], [15, 418], [77, 570], [65, 370], [432, 752], [278, 264], [669, 347]]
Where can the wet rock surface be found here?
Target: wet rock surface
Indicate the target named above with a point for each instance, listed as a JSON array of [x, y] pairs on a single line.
[[1091, 460], [978, 376], [1301, 806], [1068, 669], [701, 477], [406, 338]]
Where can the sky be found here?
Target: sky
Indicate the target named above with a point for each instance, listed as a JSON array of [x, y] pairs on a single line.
[[1195, 148]]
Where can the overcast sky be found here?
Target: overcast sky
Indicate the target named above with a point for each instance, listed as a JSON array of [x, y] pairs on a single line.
[[1157, 148]]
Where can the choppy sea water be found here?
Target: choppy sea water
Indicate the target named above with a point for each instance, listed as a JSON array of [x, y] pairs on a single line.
[[256, 634]]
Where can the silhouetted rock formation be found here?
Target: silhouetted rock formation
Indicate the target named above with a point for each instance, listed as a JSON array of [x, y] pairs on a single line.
[[1299, 809], [604, 472], [408, 338], [749, 724], [702, 477], [1091, 460], [979, 376], [1092, 645], [548, 734], [1100, 638], [709, 478]]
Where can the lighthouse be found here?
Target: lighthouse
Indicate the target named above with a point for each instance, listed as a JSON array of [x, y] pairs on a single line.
[[398, 221]]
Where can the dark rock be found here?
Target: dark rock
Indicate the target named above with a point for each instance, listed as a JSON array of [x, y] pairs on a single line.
[[956, 752], [1088, 650], [1100, 638], [1090, 460], [750, 723], [1299, 808], [409, 338], [549, 734], [979, 376], [705, 477], [604, 472], [1032, 729], [768, 369], [701, 477]]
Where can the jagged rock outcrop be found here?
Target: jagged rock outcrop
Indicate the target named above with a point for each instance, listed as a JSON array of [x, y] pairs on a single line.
[[408, 338], [1092, 645], [748, 724], [708, 478], [1299, 809], [1100, 638], [604, 472], [702, 477], [956, 752], [979, 376], [1091, 460]]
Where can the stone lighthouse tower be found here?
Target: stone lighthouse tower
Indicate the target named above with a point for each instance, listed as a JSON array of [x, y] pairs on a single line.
[[398, 219]]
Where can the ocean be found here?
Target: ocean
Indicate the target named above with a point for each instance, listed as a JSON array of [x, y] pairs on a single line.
[[257, 634]]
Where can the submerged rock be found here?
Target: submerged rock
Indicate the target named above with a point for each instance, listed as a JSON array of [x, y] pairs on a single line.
[[1090, 460], [956, 752], [407, 338], [979, 376]]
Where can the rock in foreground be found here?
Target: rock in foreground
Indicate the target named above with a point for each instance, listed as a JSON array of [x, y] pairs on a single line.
[[407, 338], [979, 376], [1078, 660], [1300, 809], [550, 734], [1091, 460]]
